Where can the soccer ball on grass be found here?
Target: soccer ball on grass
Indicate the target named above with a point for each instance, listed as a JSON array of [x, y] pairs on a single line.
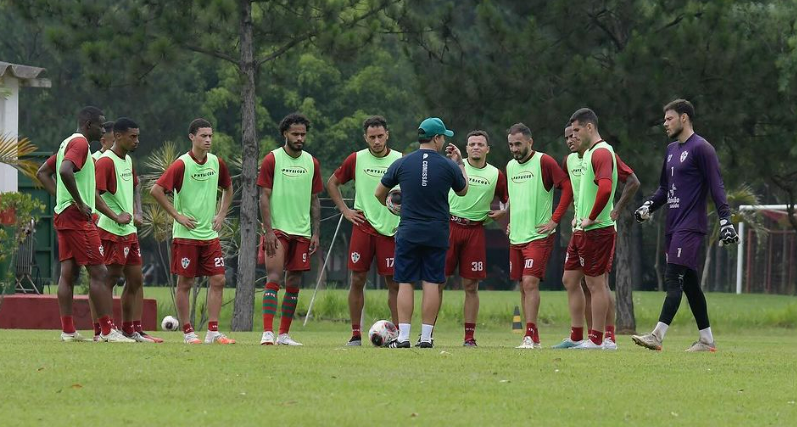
[[382, 333], [169, 323]]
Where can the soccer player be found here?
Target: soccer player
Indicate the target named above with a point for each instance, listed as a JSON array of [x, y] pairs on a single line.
[[593, 244], [425, 178], [106, 140], [289, 181], [194, 179], [117, 184], [78, 240], [690, 170], [579, 297], [373, 225], [466, 242], [531, 177]]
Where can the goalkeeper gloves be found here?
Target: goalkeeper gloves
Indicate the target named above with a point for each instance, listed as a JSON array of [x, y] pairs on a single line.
[[644, 212], [728, 234]]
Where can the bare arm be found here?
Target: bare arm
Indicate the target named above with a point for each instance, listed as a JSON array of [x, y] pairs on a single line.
[[160, 196], [138, 211], [629, 189], [45, 175], [464, 190], [315, 219], [270, 239], [333, 189], [381, 193], [226, 201], [102, 207]]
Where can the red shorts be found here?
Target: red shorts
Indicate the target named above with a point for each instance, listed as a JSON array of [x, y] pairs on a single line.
[[466, 247], [367, 243], [197, 258], [84, 246], [591, 251], [297, 251], [120, 250], [533, 256]]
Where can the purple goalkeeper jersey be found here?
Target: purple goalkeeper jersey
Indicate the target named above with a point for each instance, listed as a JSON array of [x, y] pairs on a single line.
[[690, 170]]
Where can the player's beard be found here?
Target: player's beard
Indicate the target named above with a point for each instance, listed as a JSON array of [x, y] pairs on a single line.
[[522, 155], [675, 133]]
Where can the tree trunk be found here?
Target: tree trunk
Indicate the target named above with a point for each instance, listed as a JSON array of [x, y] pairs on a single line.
[[624, 286], [657, 264], [706, 267], [247, 255]]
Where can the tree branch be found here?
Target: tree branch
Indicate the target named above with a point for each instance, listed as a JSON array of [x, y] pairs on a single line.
[[213, 53]]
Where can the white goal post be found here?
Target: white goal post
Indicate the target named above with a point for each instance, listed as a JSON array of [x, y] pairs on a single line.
[[740, 248]]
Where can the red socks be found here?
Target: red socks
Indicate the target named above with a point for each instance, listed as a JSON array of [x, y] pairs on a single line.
[[137, 326], [68, 324], [610, 333], [187, 328], [127, 328], [470, 329], [355, 330], [596, 337], [270, 305], [531, 331], [213, 326], [576, 334], [106, 324]]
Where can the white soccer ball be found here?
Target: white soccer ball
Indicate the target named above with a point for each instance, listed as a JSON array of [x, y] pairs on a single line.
[[393, 201], [382, 333], [169, 323]]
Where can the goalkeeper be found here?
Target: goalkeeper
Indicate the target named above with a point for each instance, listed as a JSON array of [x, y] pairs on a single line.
[[690, 170]]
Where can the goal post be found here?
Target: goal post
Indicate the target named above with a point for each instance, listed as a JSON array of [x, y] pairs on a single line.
[[743, 237]]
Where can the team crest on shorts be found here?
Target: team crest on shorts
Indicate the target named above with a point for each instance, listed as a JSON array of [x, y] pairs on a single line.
[[355, 256], [127, 251], [184, 262], [683, 156], [581, 260], [102, 250]]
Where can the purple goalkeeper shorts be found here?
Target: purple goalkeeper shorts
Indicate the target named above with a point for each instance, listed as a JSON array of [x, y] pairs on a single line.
[[684, 248]]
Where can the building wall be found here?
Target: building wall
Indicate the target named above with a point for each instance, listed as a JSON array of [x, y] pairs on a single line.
[[9, 122]]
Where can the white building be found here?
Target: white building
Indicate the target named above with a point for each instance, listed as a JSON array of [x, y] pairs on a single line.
[[13, 77]]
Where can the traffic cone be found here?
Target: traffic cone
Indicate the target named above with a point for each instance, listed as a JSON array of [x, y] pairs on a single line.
[[517, 326]]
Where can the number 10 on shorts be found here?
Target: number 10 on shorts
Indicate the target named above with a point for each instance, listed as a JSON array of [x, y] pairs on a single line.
[[528, 264]]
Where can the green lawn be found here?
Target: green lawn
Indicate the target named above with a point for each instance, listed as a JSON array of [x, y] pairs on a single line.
[[751, 380]]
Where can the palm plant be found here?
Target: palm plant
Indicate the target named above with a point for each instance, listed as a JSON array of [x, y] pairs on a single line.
[[13, 151], [741, 195]]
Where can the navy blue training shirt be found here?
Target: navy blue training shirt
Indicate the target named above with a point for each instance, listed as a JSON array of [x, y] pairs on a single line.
[[425, 177]]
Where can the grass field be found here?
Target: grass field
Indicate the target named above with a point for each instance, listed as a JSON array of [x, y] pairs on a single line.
[[750, 381]]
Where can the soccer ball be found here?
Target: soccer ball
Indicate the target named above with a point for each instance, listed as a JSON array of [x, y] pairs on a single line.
[[169, 323], [393, 201], [382, 333]]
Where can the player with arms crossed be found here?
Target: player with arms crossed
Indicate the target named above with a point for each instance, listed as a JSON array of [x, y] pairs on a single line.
[[578, 295], [194, 179], [466, 241], [117, 185], [425, 178], [289, 181], [373, 225], [531, 178], [690, 171], [78, 239]]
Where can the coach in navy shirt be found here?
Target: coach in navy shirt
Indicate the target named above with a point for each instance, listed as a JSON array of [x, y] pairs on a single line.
[[425, 177]]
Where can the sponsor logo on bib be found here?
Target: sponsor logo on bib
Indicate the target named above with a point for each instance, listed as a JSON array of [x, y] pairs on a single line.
[[294, 171], [375, 171], [478, 181], [203, 174], [126, 175], [522, 177]]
